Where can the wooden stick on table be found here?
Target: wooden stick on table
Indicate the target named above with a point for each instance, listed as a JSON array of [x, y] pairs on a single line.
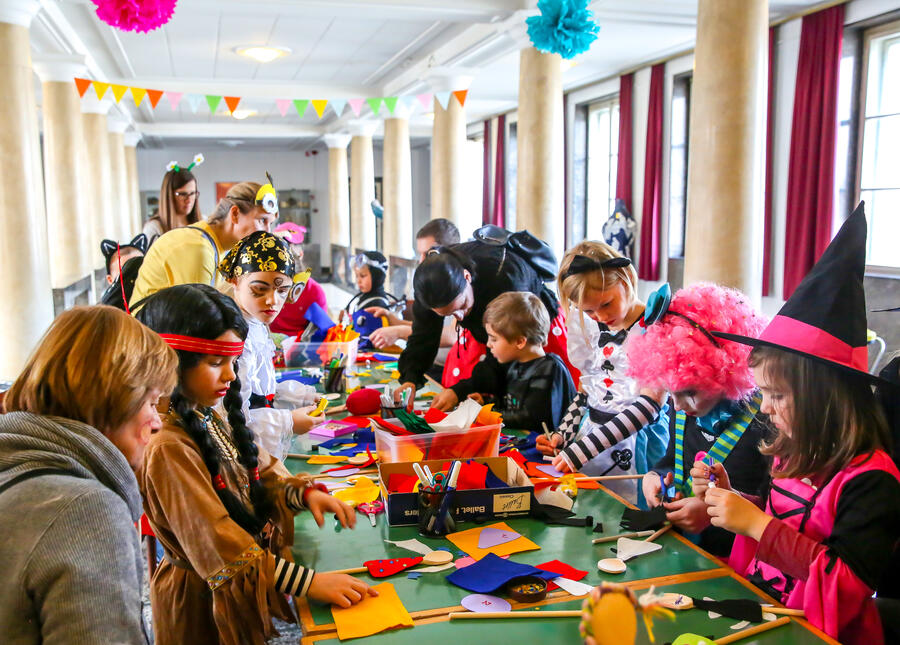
[[752, 631], [361, 472], [516, 614], [613, 538], [658, 533], [335, 410]]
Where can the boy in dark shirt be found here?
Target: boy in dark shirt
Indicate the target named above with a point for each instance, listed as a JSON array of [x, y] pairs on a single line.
[[535, 388]]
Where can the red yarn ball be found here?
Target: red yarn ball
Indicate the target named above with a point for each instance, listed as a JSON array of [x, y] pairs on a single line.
[[135, 15], [364, 401]]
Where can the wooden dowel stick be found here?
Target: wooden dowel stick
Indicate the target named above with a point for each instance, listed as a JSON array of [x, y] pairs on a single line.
[[784, 611], [515, 614], [350, 571], [658, 533], [296, 455], [336, 410], [752, 631], [329, 475], [613, 538]]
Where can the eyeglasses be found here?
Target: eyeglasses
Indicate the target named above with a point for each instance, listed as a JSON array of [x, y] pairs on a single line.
[[182, 195]]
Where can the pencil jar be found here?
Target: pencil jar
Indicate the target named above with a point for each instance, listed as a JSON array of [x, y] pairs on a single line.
[[334, 380], [436, 511]]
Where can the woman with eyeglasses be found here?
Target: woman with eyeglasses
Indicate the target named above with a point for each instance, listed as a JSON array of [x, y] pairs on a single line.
[[191, 254], [178, 203]]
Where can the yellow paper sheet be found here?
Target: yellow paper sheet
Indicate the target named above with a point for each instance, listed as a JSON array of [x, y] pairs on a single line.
[[325, 459], [468, 541], [363, 490], [372, 615]]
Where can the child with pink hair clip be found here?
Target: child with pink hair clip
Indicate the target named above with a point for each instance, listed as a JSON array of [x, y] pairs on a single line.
[[713, 395]]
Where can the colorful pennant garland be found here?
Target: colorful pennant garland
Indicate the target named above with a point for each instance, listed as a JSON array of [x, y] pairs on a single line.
[[213, 101]]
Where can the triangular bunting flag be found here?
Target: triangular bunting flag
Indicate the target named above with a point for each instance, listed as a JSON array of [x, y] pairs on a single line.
[[154, 96], [443, 98], [338, 106], [213, 102], [82, 84], [174, 99], [425, 100], [374, 104], [356, 105], [408, 103], [319, 106], [391, 103], [300, 105], [283, 105], [232, 102], [100, 88], [461, 96], [194, 101], [138, 94], [119, 91]]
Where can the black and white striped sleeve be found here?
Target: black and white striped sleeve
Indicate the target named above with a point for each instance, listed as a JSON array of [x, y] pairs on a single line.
[[627, 422], [292, 578], [293, 498]]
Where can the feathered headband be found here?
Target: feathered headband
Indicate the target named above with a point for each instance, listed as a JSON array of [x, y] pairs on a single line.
[[198, 159]]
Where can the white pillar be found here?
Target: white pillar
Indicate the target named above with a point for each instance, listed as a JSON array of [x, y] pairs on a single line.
[[99, 180], [362, 186], [69, 231], [338, 191], [25, 291], [448, 155], [131, 180], [397, 173], [118, 174]]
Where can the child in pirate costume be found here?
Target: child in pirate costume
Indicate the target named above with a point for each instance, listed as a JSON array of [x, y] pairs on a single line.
[[261, 270], [823, 536], [221, 507], [713, 395]]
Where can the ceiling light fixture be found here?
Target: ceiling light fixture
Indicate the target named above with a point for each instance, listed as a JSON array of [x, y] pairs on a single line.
[[262, 54], [242, 113]]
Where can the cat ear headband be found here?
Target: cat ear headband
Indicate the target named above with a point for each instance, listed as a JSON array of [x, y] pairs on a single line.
[[198, 159], [267, 197]]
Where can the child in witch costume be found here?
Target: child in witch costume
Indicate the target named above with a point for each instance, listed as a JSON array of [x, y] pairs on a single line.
[[123, 262], [823, 537], [713, 395], [261, 269], [221, 507], [370, 269], [599, 431]]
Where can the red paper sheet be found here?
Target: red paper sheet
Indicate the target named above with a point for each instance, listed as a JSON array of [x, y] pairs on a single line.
[[563, 569]]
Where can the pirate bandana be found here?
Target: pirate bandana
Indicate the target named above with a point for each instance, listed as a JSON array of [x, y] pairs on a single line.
[[262, 251]]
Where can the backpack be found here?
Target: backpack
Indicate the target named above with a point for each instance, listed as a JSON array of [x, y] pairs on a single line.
[[536, 253]]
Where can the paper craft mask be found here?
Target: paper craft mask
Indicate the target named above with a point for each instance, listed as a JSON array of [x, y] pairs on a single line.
[[267, 197]]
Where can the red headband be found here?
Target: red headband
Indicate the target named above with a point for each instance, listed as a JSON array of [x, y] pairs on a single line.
[[203, 345]]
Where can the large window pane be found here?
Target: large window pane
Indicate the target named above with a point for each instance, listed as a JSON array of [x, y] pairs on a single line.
[[602, 158]]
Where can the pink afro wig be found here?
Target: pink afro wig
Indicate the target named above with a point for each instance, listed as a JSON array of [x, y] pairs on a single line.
[[675, 356]]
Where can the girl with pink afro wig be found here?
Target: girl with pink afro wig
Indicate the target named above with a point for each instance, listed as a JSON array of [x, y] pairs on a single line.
[[674, 355]]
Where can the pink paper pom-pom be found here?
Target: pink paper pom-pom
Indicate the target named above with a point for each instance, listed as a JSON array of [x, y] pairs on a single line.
[[135, 15]]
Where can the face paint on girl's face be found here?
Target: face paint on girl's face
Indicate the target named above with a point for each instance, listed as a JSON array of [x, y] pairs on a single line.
[[363, 279], [262, 294], [777, 401], [611, 306], [460, 306], [207, 382], [695, 402]]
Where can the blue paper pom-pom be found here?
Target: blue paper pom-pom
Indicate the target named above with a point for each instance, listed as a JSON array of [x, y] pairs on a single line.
[[565, 27]]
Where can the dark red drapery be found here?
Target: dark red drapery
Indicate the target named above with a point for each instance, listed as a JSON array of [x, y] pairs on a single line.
[[499, 214], [810, 193], [626, 141], [770, 129], [649, 260], [486, 173]]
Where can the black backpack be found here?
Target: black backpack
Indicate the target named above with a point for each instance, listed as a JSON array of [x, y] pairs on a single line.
[[536, 253]]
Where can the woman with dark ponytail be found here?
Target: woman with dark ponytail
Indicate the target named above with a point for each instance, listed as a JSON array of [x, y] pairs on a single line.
[[222, 507]]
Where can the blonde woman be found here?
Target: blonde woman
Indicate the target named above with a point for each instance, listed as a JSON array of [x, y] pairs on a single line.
[[78, 419], [190, 255]]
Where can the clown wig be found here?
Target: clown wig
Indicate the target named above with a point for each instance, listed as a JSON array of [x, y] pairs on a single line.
[[672, 354]]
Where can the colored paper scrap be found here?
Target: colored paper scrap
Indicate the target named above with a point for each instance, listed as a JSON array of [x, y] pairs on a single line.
[[479, 602], [490, 537], [411, 545], [571, 587], [393, 566], [372, 615], [363, 490], [435, 568], [562, 569], [468, 541], [492, 572], [413, 575], [548, 469], [325, 459]]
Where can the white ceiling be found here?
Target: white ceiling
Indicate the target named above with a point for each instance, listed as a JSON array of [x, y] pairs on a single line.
[[342, 49]]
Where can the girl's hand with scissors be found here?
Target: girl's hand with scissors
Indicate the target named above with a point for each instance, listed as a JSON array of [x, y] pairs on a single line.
[[319, 503]]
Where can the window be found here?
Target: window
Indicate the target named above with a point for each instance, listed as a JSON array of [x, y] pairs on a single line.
[[602, 164], [678, 164], [512, 167], [879, 168]]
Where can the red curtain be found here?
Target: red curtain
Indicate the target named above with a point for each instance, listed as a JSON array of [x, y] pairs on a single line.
[[649, 260], [810, 192], [499, 215], [770, 129], [486, 172], [626, 142]]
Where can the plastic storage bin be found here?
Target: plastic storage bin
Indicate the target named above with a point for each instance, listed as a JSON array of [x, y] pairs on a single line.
[[452, 444], [297, 354]]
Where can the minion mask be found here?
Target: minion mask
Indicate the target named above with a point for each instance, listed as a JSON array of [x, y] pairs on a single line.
[[267, 198]]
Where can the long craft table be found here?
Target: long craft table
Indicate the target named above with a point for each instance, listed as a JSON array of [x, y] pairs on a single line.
[[679, 566]]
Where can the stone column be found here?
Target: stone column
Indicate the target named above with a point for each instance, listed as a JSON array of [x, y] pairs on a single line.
[[448, 143], [24, 264], [131, 180], [723, 241], [122, 217], [338, 191], [540, 191], [98, 184], [69, 232], [397, 172], [362, 186]]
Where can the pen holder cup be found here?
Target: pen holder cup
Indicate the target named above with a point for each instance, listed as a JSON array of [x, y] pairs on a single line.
[[334, 380], [436, 514]]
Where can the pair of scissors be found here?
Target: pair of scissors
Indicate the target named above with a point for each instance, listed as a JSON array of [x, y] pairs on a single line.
[[371, 509]]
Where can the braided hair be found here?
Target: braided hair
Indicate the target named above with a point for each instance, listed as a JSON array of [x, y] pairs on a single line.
[[199, 310]]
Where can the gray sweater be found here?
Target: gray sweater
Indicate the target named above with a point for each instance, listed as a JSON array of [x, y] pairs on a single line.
[[71, 553]]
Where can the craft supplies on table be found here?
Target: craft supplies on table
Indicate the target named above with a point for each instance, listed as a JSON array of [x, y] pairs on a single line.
[[483, 441], [372, 615], [310, 354], [501, 540], [333, 428]]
